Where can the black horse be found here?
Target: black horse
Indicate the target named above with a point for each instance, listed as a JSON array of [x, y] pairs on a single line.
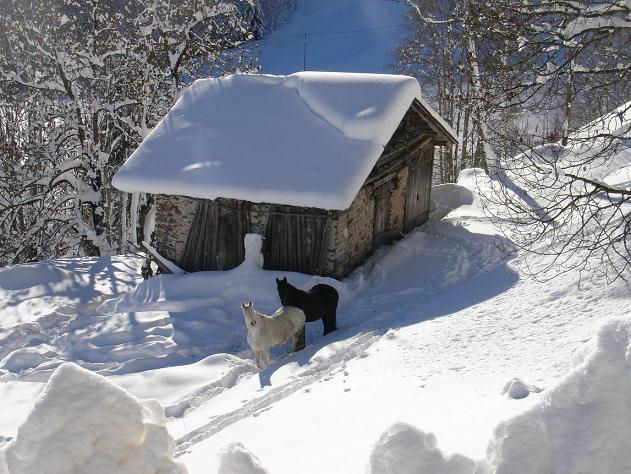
[[320, 302]]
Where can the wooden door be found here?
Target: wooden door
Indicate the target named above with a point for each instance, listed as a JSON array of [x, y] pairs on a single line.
[[296, 242], [417, 199], [215, 241]]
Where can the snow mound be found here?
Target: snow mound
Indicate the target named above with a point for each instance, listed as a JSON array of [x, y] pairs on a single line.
[[21, 277], [470, 177], [253, 260], [404, 449], [204, 307], [236, 459], [583, 424], [447, 197], [82, 422], [518, 389], [27, 358]]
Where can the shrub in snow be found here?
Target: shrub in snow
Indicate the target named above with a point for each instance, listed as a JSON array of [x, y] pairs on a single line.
[[83, 423], [236, 459], [583, 424], [404, 449]]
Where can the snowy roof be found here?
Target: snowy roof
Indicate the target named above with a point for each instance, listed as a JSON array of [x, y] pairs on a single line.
[[308, 139]]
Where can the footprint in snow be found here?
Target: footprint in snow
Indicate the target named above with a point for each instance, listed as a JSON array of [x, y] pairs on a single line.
[[518, 389]]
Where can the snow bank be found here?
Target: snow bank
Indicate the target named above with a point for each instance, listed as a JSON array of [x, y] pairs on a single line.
[[32, 291], [204, 307], [27, 358], [404, 449], [471, 177], [447, 197], [583, 424], [236, 459], [47, 278], [446, 251], [253, 260], [82, 422]]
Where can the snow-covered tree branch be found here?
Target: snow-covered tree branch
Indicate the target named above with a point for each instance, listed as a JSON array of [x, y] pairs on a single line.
[[80, 86]]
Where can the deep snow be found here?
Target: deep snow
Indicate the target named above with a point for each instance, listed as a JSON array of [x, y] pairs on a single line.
[[81, 422], [438, 331], [444, 349]]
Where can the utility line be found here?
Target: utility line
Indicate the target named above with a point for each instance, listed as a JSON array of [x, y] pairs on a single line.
[[305, 35], [357, 31], [324, 33]]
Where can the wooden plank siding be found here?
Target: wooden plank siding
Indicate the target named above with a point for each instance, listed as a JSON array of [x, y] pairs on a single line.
[[296, 242], [417, 201], [295, 239], [215, 241]]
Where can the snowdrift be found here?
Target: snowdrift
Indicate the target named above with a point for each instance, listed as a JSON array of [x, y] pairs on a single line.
[[584, 423], [204, 307], [237, 459], [84, 423], [581, 425], [404, 449]]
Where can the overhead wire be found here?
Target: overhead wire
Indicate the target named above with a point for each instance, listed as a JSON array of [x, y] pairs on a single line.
[[274, 40]]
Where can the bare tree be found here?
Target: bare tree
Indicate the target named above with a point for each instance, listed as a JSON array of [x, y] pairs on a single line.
[[275, 11], [443, 52], [539, 73]]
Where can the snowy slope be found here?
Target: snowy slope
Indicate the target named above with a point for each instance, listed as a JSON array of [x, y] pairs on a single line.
[[342, 35], [447, 359], [438, 331]]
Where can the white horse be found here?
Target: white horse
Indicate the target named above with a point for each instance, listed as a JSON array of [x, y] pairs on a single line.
[[265, 331]]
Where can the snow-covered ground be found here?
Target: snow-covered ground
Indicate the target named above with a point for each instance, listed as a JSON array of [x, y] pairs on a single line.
[[447, 359], [441, 342]]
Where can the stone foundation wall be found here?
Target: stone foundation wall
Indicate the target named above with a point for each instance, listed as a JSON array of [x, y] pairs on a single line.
[[353, 237], [174, 217]]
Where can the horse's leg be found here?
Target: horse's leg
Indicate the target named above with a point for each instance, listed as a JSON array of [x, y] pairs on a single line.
[[295, 340], [259, 359], [298, 340], [329, 322], [333, 318]]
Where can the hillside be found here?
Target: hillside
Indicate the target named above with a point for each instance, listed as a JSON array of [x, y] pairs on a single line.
[[439, 331], [342, 35], [448, 358]]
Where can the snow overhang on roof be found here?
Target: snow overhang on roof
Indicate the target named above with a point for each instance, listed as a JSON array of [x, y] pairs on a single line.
[[308, 139]]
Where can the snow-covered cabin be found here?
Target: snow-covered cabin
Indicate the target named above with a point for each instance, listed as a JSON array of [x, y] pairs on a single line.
[[324, 165]]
